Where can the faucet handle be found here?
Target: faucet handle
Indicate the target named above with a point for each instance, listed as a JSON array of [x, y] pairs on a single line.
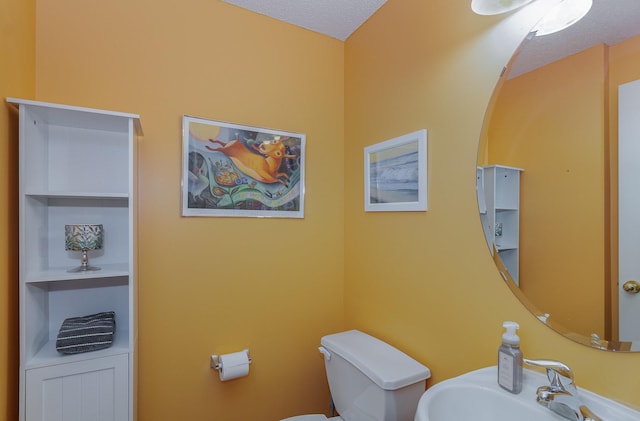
[[555, 372]]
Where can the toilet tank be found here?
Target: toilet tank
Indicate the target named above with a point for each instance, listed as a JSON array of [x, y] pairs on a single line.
[[370, 380]]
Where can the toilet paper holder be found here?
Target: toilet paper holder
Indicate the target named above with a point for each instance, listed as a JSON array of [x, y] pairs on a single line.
[[215, 360]]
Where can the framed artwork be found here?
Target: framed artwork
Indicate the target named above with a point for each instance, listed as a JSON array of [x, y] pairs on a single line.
[[395, 174], [235, 170]]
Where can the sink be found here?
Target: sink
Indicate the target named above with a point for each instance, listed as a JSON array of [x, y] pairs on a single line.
[[476, 396]]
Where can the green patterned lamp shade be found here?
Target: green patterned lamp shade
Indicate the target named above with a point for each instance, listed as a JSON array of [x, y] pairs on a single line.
[[83, 237]]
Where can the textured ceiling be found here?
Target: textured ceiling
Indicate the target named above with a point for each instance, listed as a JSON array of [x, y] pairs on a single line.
[[608, 22], [335, 18]]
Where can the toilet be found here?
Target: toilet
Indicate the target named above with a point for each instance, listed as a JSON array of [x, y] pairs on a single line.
[[369, 379]]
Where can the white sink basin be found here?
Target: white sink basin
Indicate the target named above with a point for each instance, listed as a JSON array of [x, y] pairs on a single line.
[[476, 396]]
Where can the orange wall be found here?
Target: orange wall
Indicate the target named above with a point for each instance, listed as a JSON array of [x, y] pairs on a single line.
[[216, 285], [425, 281], [551, 123], [17, 79]]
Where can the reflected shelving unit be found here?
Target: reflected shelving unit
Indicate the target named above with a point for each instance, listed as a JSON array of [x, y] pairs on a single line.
[[499, 186]]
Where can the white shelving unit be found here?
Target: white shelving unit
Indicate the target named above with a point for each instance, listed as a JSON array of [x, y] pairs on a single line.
[[77, 166], [501, 219], [482, 201]]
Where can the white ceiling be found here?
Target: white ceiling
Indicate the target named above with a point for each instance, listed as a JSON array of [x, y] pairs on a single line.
[[608, 22], [336, 18]]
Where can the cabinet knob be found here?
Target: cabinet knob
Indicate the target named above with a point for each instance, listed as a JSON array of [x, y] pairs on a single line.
[[631, 287]]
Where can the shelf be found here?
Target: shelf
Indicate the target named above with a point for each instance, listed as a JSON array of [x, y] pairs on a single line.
[[79, 117], [77, 195], [501, 223], [48, 355], [62, 274], [76, 166], [44, 218]]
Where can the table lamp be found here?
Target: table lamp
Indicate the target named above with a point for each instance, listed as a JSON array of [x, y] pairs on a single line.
[[83, 237]]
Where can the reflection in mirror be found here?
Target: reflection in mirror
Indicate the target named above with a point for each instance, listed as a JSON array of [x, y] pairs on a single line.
[[548, 175]]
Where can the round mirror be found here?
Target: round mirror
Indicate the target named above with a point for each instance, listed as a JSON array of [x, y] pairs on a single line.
[[559, 176]]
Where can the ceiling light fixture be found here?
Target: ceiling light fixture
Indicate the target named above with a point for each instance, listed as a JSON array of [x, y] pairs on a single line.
[[565, 14], [496, 7], [561, 16]]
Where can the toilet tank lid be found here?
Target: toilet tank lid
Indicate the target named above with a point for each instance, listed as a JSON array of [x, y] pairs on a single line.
[[385, 365]]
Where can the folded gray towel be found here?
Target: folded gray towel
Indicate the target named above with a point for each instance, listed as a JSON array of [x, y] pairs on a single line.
[[87, 333]]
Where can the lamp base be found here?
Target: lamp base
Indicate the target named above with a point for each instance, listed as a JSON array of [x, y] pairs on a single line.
[[84, 264], [83, 269]]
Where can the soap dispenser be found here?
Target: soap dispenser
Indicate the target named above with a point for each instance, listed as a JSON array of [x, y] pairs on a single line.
[[510, 359]]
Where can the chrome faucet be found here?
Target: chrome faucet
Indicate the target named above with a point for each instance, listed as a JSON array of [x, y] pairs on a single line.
[[561, 396]]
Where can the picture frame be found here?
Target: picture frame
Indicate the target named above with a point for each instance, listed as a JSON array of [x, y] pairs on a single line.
[[395, 174], [235, 170]]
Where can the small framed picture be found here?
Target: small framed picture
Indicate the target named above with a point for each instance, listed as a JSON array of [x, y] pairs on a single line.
[[235, 170], [395, 174]]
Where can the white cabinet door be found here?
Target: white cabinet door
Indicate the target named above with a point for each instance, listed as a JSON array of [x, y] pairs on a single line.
[[90, 390]]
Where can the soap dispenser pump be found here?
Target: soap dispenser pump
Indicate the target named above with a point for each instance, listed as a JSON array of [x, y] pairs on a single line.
[[510, 359]]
